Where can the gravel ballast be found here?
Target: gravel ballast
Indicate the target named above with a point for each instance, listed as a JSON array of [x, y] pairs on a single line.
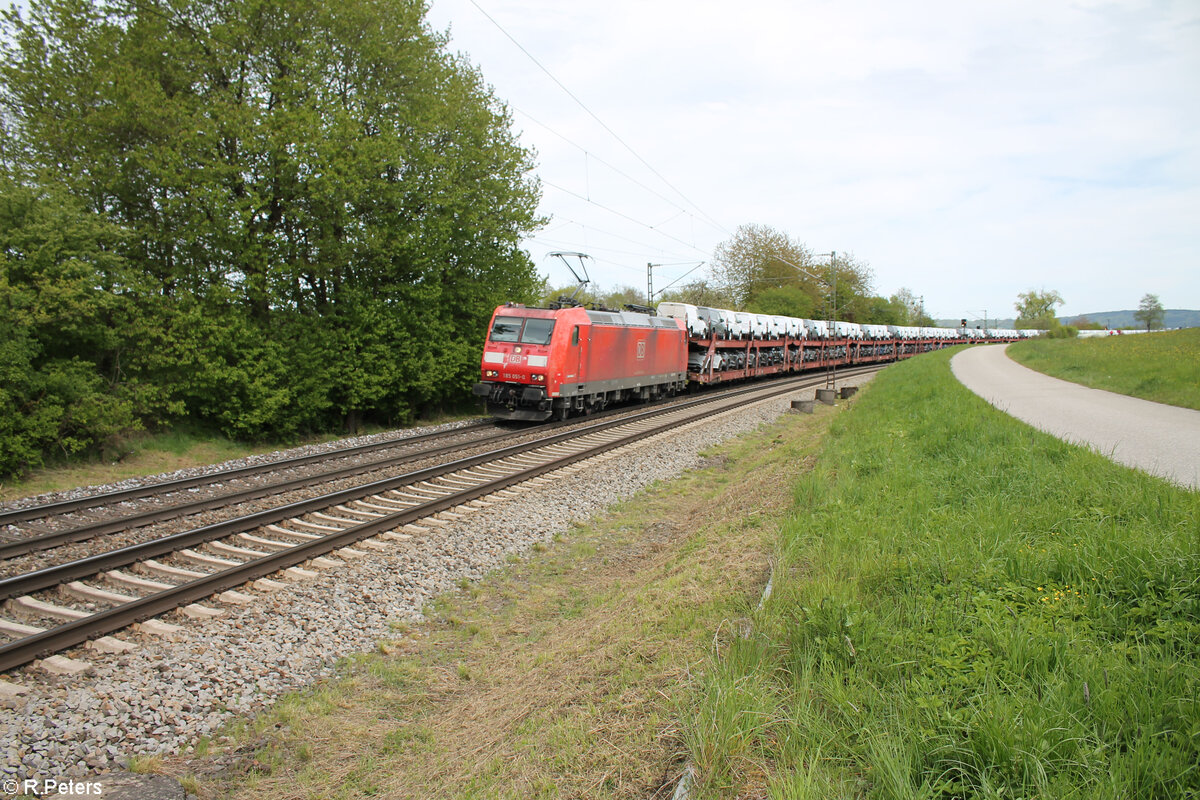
[[163, 696]]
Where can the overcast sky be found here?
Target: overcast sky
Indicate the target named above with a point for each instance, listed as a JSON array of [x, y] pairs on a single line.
[[965, 150]]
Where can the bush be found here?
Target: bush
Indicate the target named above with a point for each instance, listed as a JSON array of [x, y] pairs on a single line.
[[61, 331]]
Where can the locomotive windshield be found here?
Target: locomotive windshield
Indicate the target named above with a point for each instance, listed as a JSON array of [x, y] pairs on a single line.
[[509, 329], [506, 329], [537, 331]]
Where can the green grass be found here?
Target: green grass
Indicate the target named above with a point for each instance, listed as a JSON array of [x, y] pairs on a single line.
[[557, 676], [963, 608], [1163, 367]]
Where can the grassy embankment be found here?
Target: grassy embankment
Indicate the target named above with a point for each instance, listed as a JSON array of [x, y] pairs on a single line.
[[561, 675], [1164, 367], [154, 453], [964, 607]]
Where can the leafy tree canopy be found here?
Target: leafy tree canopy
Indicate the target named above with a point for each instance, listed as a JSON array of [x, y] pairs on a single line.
[[886, 311], [305, 209], [699, 292], [787, 301], [759, 258], [1036, 309], [1150, 312], [617, 297], [1084, 324]]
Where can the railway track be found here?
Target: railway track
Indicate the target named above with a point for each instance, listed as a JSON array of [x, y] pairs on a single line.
[[112, 518], [145, 580], [73, 532], [43, 510], [115, 519]]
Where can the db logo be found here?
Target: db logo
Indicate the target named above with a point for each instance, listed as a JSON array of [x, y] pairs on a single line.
[[641, 350]]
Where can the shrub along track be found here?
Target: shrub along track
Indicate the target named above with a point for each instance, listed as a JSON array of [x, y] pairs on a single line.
[[307, 531]]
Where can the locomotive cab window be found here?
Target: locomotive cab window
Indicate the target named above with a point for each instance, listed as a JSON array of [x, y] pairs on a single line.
[[537, 331], [506, 329], [527, 330], [575, 335]]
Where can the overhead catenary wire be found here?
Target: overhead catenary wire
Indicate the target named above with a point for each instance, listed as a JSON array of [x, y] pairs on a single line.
[[552, 243], [610, 262], [622, 215], [599, 121], [586, 197], [665, 253], [560, 243], [681, 277], [660, 250], [590, 156]]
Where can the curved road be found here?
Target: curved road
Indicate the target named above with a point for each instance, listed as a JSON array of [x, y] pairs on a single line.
[[1159, 439]]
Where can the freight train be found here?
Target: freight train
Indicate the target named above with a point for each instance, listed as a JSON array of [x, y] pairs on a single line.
[[553, 363]]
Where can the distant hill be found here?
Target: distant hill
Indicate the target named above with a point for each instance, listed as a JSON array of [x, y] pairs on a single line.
[[1172, 318]]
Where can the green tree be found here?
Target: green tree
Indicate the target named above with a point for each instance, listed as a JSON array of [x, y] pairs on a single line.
[[786, 301], [759, 258], [1036, 309], [913, 308], [63, 332], [619, 296], [302, 187], [902, 308], [886, 311], [853, 288], [699, 293], [1150, 312]]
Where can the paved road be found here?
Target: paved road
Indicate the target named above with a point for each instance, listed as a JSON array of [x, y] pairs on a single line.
[[1159, 439]]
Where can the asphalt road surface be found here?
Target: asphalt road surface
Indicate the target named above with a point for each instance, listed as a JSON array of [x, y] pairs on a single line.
[[1159, 439]]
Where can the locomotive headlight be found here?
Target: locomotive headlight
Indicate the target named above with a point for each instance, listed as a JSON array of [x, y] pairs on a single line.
[[491, 373], [539, 378]]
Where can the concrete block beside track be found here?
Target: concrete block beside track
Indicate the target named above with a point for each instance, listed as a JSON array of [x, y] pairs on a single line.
[[156, 627], [61, 665]]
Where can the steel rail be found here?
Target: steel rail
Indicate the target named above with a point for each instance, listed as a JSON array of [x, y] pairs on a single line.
[[46, 541], [178, 484], [79, 533], [51, 576], [22, 651]]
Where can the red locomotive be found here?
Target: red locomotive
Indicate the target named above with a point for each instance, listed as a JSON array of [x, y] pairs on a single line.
[[543, 363]]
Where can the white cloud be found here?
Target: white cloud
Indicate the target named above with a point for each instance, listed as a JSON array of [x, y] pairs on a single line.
[[966, 150]]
